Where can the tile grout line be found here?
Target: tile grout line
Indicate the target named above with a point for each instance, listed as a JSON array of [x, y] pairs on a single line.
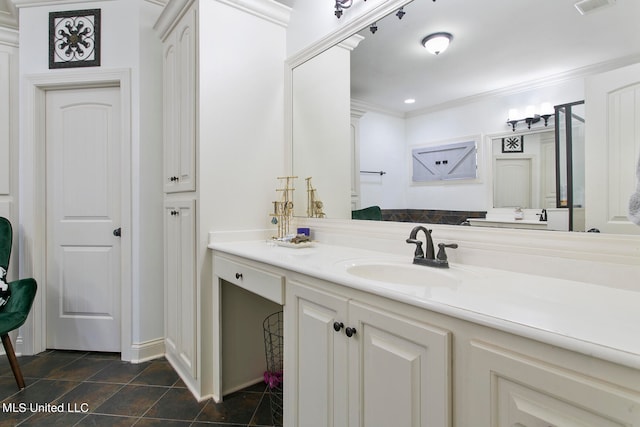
[[152, 405]]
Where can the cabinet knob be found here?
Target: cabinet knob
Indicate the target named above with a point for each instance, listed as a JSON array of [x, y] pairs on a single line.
[[350, 331], [238, 275], [337, 326]]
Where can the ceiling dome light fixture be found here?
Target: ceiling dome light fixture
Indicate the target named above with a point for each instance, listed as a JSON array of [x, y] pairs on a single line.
[[437, 43]]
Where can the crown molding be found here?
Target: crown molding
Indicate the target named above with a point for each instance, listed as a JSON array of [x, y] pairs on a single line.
[[170, 15], [351, 42], [9, 36], [582, 72], [8, 15], [359, 105], [350, 28], [269, 10], [505, 91]]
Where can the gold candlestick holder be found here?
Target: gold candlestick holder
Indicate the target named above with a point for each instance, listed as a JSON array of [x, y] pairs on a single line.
[[314, 206], [283, 208]]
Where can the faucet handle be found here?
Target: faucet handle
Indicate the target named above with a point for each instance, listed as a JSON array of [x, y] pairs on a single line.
[[442, 254], [419, 253]]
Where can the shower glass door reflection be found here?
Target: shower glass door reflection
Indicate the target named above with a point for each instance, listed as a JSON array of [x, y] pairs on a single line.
[[570, 138]]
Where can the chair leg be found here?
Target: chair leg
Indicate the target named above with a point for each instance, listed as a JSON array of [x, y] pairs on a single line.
[[13, 361]]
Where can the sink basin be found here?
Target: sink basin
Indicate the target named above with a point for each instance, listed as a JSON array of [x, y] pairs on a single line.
[[405, 274]]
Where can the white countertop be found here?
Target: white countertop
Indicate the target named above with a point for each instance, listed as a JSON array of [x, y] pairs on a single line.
[[595, 320]]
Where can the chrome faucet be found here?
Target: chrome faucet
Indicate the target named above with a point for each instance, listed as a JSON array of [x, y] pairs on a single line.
[[429, 259]]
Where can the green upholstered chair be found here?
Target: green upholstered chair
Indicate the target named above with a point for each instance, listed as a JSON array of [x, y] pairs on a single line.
[[372, 213], [14, 313]]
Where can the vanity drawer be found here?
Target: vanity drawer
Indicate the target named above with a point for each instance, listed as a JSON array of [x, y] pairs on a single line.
[[258, 281]]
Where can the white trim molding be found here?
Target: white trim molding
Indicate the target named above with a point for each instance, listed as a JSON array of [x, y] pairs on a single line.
[[269, 10], [32, 221], [9, 37], [8, 15], [148, 350]]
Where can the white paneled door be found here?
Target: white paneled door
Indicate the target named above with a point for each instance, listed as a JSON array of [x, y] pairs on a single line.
[[83, 146], [512, 183]]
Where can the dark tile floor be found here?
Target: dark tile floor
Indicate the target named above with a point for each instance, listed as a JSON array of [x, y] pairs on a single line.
[[97, 389]]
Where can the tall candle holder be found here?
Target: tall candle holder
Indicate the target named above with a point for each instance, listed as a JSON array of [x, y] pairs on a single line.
[[283, 208], [314, 206]]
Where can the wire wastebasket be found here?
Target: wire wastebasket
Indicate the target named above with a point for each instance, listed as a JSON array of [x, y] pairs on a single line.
[[273, 346]]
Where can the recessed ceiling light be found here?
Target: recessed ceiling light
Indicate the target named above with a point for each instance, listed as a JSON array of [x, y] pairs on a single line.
[[437, 42], [409, 101]]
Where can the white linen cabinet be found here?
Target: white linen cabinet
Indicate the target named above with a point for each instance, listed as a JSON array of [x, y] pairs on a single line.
[[179, 51], [180, 285], [207, 68], [180, 97]]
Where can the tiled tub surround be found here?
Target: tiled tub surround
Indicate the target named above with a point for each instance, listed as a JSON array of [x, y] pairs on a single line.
[[430, 216]]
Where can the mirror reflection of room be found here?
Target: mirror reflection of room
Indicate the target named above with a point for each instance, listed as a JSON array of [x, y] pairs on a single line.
[[403, 98]]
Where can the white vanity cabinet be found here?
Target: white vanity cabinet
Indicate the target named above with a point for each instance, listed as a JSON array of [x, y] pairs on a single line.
[[179, 90], [350, 363], [365, 354], [508, 388]]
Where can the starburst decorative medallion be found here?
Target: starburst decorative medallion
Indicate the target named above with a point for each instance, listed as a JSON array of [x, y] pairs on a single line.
[[512, 144], [74, 38]]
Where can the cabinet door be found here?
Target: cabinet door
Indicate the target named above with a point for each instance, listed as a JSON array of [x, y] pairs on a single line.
[[399, 371], [180, 284], [611, 148], [179, 83], [511, 389], [316, 378]]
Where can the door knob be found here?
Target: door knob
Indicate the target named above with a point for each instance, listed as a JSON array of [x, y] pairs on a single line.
[[117, 232]]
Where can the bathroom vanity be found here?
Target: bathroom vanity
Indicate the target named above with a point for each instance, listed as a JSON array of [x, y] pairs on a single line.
[[373, 340]]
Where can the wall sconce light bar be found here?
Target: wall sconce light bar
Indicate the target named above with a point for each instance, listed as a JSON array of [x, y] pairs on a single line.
[[340, 5], [530, 116]]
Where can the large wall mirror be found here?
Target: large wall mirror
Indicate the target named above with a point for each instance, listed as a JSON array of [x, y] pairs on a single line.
[[360, 107]]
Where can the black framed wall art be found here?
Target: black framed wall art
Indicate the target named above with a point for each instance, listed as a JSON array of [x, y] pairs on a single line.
[[74, 38], [513, 144]]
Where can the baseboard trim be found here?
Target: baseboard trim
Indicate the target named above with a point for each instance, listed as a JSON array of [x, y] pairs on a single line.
[[148, 350], [243, 386]]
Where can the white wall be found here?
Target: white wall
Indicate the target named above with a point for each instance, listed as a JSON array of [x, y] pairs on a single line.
[[241, 117], [148, 323], [383, 148], [483, 118], [128, 42], [321, 129], [9, 136]]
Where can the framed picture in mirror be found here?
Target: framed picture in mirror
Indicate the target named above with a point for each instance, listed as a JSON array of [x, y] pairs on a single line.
[[513, 144]]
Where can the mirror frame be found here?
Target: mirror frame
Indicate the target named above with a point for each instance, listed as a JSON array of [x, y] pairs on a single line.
[[351, 27]]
